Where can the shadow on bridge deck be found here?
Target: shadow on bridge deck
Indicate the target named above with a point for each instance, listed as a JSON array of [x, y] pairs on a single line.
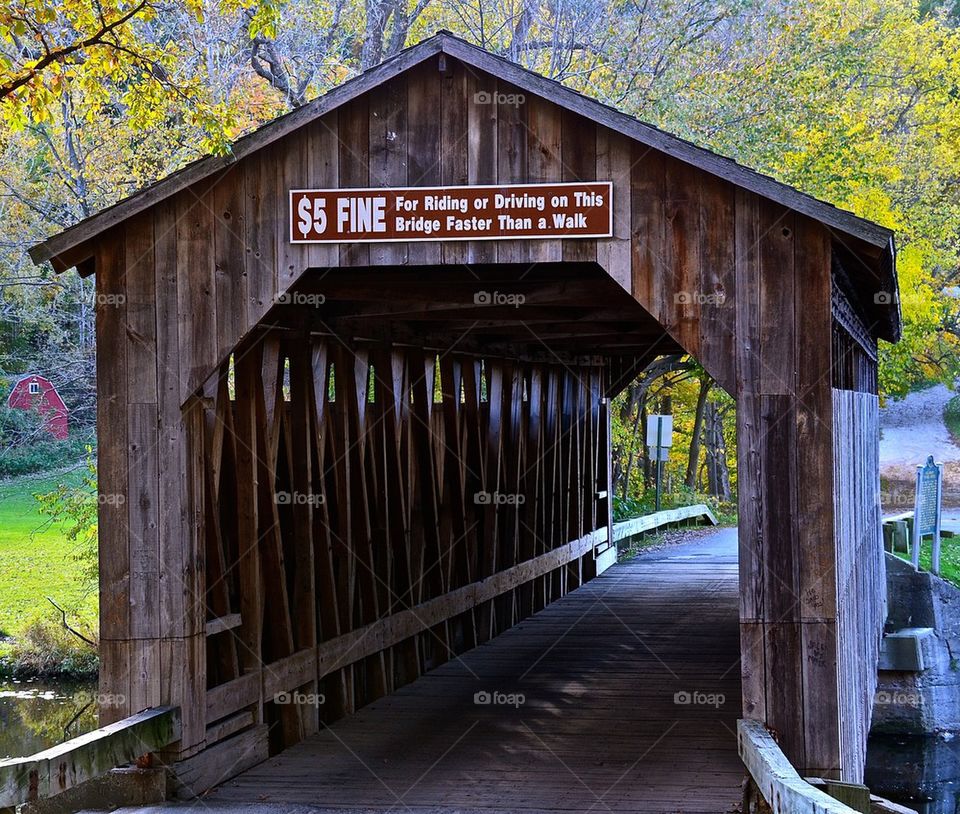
[[601, 727]]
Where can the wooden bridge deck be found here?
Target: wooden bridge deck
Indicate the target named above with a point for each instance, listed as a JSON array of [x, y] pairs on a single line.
[[598, 729]]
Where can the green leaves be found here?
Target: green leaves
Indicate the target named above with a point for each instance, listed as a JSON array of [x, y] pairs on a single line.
[[96, 53]]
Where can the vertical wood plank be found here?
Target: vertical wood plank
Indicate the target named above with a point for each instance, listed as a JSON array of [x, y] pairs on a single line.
[[112, 484], [229, 201], [143, 523], [388, 150], [323, 172], [354, 166], [512, 159], [179, 578], [187, 687], [749, 430], [682, 250], [140, 310], [260, 239], [781, 562], [544, 162], [291, 168], [614, 164], [482, 149], [648, 230], [425, 143], [579, 152], [718, 281], [454, 145], [778, 332], [196, 302]]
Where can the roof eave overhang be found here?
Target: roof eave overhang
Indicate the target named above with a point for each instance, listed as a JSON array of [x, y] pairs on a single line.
[[894, 314]]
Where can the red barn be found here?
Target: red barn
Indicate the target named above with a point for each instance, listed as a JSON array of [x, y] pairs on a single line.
[[37, 393]]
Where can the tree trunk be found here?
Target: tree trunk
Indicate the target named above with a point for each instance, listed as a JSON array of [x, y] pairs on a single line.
[[644, 456], [630, 452], [693, 460], [718, 472], [375, 25]]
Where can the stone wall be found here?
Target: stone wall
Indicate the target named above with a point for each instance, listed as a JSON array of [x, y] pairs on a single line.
[[918, 690]]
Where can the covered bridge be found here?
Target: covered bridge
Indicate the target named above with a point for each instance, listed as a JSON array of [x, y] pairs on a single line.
[[354, 444]]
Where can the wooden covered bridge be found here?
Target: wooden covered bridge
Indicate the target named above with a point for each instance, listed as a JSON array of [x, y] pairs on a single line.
[[354, 382]]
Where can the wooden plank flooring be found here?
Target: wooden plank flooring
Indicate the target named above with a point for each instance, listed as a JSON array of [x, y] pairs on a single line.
[[598, 728]]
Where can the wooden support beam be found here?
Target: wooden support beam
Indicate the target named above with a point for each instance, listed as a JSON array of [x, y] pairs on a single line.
[[223, 623], [220, 762]]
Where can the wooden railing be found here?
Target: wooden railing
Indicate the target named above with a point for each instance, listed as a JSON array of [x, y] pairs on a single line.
[[67, 765], [649, 522], [783, 789], [333, 654], [318, 662]]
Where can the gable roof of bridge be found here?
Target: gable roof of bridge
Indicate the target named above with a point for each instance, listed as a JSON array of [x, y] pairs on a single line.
[[73, 245]]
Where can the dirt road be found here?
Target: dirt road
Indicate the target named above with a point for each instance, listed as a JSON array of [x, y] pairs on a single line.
[[911, 429]]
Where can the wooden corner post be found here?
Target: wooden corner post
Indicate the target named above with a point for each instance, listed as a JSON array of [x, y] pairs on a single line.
[[152, 650], [788, 578]]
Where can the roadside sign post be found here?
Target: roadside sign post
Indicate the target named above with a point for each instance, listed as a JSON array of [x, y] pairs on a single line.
[[659, 441], [926, 512]]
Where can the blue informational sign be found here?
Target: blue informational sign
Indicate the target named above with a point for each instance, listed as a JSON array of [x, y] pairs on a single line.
[[928, 498], [926, 511]]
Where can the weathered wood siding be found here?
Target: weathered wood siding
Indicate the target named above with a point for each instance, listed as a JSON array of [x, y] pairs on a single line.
[[741, 283], [861, 571]]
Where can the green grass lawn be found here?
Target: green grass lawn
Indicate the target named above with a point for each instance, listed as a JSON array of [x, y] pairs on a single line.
[[949, 558], [36, 558]]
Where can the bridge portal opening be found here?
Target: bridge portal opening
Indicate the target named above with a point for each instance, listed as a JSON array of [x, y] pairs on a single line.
[[396, 465], [421, 462]]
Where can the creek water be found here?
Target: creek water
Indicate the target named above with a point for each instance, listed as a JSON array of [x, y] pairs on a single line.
[[922, 773], [35, 715]]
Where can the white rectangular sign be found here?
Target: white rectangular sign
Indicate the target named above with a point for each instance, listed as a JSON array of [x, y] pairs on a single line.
[[665, 425]]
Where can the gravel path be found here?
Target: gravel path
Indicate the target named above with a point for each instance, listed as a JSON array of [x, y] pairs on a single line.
[[911, 429]]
